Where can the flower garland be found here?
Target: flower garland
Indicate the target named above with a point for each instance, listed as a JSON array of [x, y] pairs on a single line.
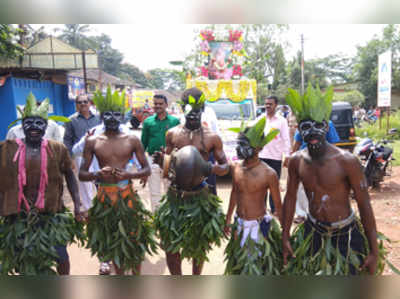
[[220, 71]]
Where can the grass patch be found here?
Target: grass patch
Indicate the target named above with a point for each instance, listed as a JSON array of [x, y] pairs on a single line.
[[396, 152], [372, 131]]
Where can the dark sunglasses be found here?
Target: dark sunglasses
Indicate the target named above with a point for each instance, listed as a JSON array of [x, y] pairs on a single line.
[[82, 102]]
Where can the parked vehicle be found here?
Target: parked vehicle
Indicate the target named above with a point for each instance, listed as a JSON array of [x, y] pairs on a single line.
[[342, 118], [138, 115], [141, 103], [376, 159]]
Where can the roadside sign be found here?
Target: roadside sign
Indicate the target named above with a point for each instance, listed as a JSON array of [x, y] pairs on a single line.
[[384, 79]]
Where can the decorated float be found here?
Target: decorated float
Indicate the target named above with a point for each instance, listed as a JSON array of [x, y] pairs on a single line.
[[230, 94]]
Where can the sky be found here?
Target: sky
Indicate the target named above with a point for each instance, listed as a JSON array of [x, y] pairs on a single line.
[[150, 46]]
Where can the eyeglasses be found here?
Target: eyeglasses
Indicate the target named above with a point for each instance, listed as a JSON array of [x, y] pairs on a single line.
[[82, 102]]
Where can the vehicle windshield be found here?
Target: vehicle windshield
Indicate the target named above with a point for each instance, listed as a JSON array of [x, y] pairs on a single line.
[[340, 117], [226, 109]]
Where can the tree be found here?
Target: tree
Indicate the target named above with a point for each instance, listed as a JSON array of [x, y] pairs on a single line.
[[366, 68], [110, 59], [134, 74], [366, 62], [75, 35], [265, 61], [9, 48], [167, 79], [30, 36], [354, 97]]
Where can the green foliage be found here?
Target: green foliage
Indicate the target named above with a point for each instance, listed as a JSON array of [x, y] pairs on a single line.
[[366, 61], [354, 97], [190, 224], [110, 59], [32, 109], [111, 102], [372, 131], [312, 105], [75, 35], [167, 79], [9, 48], [255, 134], [131, 72], [328, 260], [255, 258], [120, 233], [28, 241]]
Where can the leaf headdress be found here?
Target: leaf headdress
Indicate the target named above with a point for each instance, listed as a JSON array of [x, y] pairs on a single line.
[[312, 105], [255, 134], [111, 102], [32, 109]]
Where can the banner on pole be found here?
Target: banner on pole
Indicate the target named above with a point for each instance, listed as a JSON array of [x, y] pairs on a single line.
[[384, 79]]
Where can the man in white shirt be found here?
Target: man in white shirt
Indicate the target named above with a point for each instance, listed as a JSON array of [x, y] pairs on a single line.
[[274, 152]]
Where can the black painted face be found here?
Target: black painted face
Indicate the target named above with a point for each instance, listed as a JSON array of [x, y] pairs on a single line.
[[112, 120], [34, 128], [314, 134], [193, 119], [244, 150]]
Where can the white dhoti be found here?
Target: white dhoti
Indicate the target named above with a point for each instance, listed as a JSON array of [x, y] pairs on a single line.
[[87, 190], [157, 185], [251, 228]]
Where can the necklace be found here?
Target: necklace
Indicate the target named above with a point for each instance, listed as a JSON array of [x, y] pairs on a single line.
[[190, 132], [247, 167]]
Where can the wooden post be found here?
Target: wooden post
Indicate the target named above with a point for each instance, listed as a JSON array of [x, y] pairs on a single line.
[[388, 120], [84, 70]]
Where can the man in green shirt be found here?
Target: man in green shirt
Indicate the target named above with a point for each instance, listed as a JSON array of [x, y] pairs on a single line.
[[153, 139]]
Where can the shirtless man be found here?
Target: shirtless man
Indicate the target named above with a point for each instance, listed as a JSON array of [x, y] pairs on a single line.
[[113, 150], [32, 174], [328, 175], [205, 141], [251, 180]]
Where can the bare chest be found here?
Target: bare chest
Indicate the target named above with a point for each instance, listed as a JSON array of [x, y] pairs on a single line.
[[200, 140], [250, 180], [118, 148], [327, 175]]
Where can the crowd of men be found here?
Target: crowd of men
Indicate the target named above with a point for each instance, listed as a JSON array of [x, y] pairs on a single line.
[[178, 159]]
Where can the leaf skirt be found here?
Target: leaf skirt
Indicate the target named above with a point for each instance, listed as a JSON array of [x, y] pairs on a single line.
[[190, 224], [120, 229], [29, 241]]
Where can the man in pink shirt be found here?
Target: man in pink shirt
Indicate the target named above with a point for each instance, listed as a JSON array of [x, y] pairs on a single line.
[[272, 153]]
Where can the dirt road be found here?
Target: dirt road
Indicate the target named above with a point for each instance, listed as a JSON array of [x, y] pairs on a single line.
[[386, 205]]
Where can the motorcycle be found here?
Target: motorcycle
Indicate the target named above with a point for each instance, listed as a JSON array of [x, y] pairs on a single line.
[[376, 159]]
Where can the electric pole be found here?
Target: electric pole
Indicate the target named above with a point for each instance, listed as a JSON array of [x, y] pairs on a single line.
[[302, 64]]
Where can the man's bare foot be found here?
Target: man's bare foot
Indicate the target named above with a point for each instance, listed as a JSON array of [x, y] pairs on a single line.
[[105, 269]]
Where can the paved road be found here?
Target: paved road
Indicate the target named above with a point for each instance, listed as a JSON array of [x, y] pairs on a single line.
[[83, 264]]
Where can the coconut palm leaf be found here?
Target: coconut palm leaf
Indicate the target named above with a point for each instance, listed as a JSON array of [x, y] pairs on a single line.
[[255, 132], [30, 104], [293, 99], [271, 135], [59, 118], [235, 130], [328, 101], [43, 109], [14, 122]]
